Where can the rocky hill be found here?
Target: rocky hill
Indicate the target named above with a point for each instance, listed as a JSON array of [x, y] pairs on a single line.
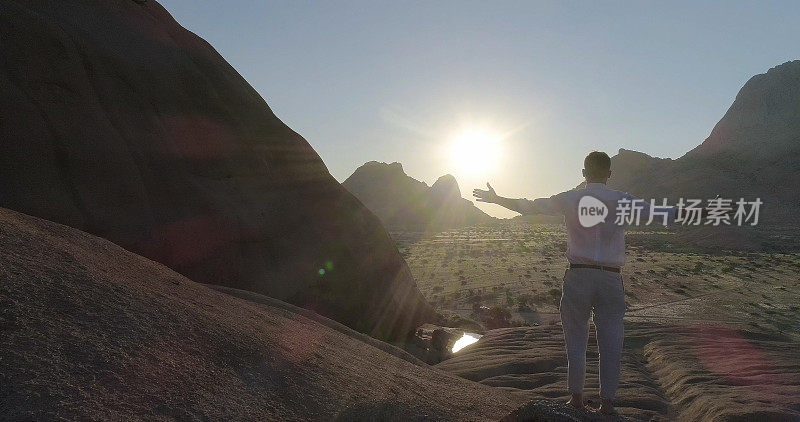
[[754, 151], [403, 202], [118, 121], [90, 331]]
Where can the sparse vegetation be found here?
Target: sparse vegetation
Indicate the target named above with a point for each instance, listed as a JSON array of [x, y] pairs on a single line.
[[520, 266]]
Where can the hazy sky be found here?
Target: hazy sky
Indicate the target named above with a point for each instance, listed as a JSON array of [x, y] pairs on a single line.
[[400, 81]]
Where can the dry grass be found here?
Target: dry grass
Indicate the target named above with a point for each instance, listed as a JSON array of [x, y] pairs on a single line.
[[507, 264]]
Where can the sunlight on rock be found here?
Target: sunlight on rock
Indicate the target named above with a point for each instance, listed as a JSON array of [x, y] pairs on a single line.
[[465, 340]]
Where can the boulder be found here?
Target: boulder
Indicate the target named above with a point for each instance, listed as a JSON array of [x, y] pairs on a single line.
[[119, 122]]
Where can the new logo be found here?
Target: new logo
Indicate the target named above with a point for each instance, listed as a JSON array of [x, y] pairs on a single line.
[[591, 211]]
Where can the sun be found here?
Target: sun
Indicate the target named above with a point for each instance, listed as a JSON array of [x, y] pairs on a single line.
[[474, 150]]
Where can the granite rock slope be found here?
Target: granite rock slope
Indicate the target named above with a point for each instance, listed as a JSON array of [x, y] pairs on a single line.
[[118, 121]]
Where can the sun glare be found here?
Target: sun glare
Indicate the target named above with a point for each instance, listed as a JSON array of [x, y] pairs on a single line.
[[475, 151]]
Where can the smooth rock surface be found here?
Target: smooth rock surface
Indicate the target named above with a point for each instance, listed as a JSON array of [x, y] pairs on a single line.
[[690, 372]]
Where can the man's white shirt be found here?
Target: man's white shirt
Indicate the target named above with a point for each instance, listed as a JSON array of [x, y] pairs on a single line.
[[603, 243]]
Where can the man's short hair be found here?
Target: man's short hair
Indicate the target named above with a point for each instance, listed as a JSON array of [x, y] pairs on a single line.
[[597, 164]]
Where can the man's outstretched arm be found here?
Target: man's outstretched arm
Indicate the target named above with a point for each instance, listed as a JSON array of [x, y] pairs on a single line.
[[522, 206]]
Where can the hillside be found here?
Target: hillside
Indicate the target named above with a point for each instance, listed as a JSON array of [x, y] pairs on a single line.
[[120, 122], [753, 151], [92, 331], [404, 203]]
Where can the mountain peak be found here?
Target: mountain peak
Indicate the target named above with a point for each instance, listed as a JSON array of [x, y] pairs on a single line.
[[630, 153], [404, 202], [393, 167], [763, 119], [370, 171], [446, 186], [751, 152], [447, 178]]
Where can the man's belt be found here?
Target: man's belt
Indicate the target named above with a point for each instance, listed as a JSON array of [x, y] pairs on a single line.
[[596, 267]]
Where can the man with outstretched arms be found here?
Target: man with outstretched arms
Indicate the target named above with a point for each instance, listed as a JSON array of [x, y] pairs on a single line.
[[593, 283]]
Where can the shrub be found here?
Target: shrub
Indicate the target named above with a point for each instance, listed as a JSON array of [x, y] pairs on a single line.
[[497, 317]]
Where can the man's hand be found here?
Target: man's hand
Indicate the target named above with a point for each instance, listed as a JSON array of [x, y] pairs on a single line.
[[521, 206], [485, 195]]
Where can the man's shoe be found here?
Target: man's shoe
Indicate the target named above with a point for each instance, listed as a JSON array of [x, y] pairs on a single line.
[[576, 401], [607, 407]]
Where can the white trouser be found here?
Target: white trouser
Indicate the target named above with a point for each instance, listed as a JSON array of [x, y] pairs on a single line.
[[586, 291]]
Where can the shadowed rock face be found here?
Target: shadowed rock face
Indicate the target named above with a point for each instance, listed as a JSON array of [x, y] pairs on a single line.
[[405, 203], [753, 151], [118, 121]]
